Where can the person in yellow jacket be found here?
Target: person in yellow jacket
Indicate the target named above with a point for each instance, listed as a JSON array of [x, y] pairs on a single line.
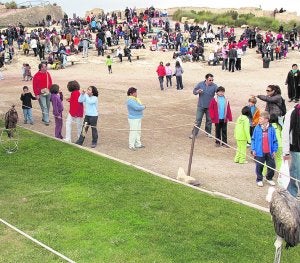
[[242, 135], [25, 48]]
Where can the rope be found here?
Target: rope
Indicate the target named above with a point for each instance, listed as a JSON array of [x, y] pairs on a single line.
[[185, 125], [87, 125], [37, 242], [247, 156]]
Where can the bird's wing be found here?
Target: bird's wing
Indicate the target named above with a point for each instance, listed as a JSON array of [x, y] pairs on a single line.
[[285, 211]]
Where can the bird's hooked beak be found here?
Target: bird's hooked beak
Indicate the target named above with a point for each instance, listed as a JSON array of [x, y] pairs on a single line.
[[270, 194]]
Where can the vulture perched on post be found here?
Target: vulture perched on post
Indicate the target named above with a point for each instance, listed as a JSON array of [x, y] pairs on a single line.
[[285, 211]]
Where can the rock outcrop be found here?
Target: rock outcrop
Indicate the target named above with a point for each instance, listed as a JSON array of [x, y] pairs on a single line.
[[29, 16]]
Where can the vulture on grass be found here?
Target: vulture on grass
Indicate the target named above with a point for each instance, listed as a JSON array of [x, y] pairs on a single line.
[[285, 211]]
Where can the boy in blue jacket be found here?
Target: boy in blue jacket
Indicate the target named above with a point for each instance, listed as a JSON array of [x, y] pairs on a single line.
[[264, 145]]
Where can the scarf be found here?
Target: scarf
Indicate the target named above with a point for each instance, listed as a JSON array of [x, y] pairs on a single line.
[[135, 98], [295, 126]]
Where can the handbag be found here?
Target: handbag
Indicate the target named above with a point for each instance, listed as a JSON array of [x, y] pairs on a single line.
[[284, 175]]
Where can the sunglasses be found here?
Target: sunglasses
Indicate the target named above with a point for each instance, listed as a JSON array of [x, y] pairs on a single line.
[[267, 90], [211, 80]]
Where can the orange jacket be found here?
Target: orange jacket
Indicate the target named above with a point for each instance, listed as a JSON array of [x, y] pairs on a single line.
[[255, 117]]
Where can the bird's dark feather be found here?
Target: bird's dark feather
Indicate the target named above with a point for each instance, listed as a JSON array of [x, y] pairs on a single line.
[[285, 211]]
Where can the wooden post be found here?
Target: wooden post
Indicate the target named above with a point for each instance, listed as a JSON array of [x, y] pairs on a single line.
[[191, 154]]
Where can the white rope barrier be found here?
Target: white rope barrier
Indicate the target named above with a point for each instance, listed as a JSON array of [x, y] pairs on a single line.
[[184, 125], [37, 242], [247, 156]]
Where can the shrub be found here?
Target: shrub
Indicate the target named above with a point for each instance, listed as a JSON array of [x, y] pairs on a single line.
[[240, 22], [11, 5], [246, 16], [233, 18], [233, 14], [224, 21]]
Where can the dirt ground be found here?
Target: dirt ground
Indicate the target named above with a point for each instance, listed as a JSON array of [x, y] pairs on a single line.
[[169, 115]]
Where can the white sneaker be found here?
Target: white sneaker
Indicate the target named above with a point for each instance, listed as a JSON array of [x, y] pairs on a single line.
[[271, 182], [260, 184]]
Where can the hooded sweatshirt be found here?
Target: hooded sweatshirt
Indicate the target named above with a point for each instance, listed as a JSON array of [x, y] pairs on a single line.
[[242, 129]]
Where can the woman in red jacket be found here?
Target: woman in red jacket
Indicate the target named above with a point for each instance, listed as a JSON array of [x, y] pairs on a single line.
[[41, 83], [220, 114], [161, 72]]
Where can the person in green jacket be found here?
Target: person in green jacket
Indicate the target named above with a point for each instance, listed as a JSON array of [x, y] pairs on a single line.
[[242, 135], [108, 63], [278, 154]]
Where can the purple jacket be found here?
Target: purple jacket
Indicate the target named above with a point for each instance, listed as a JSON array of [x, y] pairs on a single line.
[[57, 105]]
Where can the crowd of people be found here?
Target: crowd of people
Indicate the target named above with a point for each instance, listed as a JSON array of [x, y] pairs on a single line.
[[260, 129], [253, 125]]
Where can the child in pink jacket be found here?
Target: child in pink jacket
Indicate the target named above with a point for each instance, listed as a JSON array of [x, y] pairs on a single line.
[[220, 114]]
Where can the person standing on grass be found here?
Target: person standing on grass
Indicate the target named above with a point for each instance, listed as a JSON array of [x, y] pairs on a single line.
[[264, 146], [291, 147], [178, 74], [135, 114], [161, 73], [26, 98], [57, 109], [242, 135], [293, 83], [206, 91], [220, 114], [90, 100], [75, 113], [41, 83]]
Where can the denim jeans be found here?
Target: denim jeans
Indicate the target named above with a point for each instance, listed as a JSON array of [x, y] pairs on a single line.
[[293, 186], [169, 80], [270, 161], [44, 101], [179, 82], [90, 121], [28, 115], [225, 64], [161, 82], [231, 64], [199, 117]]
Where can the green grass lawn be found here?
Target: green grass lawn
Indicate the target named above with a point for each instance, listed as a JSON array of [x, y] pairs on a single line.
[[92, 209]]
